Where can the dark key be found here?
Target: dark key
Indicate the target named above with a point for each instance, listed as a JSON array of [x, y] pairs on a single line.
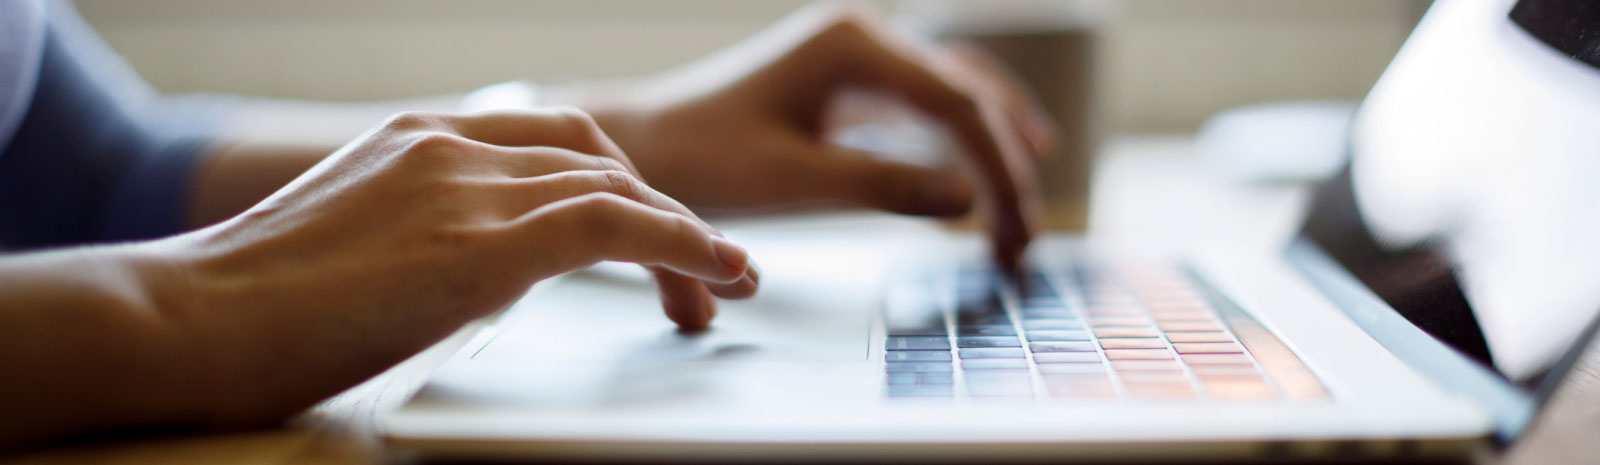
[[918, 343], [899, 356], [982, 319], [1058, 335], [980, 307], [1039, 314], [921, 390], [1035, 325], [991, 352], [987, 330], [920, 378], [1080, 346], [920, 331], [1044, 302], [923, 367], [988, 341]]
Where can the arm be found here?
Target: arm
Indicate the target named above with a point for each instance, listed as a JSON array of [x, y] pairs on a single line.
[[330, 280]]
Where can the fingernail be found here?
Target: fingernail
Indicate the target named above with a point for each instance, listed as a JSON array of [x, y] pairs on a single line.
[[731, 255], [754, 273]]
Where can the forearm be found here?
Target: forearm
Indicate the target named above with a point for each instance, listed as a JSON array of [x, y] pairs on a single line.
[[86, 346], [189, 331]]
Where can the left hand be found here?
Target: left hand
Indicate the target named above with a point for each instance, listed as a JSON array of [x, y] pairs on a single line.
[[745, 129]]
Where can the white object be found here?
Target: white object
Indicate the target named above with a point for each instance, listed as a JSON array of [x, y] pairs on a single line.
[[1280, 141]]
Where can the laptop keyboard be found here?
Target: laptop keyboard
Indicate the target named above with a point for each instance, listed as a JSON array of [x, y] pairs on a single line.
[[1083, 332]]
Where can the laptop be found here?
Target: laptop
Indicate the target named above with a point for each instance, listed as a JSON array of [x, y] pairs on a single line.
[[1441, 286]]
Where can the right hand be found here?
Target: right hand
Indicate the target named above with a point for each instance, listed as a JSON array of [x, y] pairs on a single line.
[[420, 226]]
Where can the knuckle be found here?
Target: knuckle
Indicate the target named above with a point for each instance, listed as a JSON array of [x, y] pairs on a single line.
[[412, 121], [610, 164], [847, 19], [432, 144], [573, 118], [622, 184]]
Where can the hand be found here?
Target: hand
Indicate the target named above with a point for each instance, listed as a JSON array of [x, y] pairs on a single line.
[[744, 129], [419, 226]]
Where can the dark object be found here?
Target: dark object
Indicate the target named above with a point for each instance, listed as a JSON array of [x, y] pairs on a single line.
[[1571, 26]]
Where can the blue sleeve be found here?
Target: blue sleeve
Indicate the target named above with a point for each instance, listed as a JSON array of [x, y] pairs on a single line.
[[99, 156]]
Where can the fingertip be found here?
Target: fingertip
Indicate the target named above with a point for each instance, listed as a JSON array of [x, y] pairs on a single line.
[[946, 194], [732, 256], [744, 288], [685, 300]]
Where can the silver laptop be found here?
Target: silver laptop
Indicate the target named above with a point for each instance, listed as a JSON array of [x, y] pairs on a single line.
[[1441, 286]]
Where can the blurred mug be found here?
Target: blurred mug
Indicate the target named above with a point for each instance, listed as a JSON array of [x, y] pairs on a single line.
[[1050, 45]]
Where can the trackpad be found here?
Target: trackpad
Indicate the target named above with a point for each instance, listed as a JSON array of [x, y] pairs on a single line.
[[815, 304]]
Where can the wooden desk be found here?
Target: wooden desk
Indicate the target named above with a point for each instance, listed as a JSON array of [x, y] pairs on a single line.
[[340, 431]]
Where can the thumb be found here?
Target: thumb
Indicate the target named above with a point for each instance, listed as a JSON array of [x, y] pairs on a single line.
[[857, 177]]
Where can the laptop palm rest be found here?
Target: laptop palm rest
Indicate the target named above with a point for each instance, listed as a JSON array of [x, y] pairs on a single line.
[[807, 310]]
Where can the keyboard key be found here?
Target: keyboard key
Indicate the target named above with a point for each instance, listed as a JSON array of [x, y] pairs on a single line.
[[1134, 343], [1062, 346], [918, 343], [1115, 310], [1183, 315], [988, 341], [1071, 368], [1058, 335], [1126, 332], [999, 383], [900, 356], [923, 367], [1224, 376], [1188, 326], [1041, 313], [920, 378], [994, 364], [1145, 365], [1239, 390], [1216, 359], [1118, 321], [1200, 337], [922, 331], [921, 390], [994, 352], [1079, 386], [982, 319], [1160, 389], [1032, 325], [1044, 304], [987, 330], [1208, 348], [1138, 354], [1152, 375], [1065, 357]]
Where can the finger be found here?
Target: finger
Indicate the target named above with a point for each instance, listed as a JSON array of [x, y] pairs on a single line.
[[524, 194], [563, 127], [858, 178], [603, 226], [879, 59], [685, 300], [1021, 103], [744, 288]]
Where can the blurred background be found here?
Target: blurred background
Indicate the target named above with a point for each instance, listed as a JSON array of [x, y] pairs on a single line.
[[1103, 67]]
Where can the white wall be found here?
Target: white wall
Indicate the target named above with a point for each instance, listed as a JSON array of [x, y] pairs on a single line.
[[1166, 63]]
